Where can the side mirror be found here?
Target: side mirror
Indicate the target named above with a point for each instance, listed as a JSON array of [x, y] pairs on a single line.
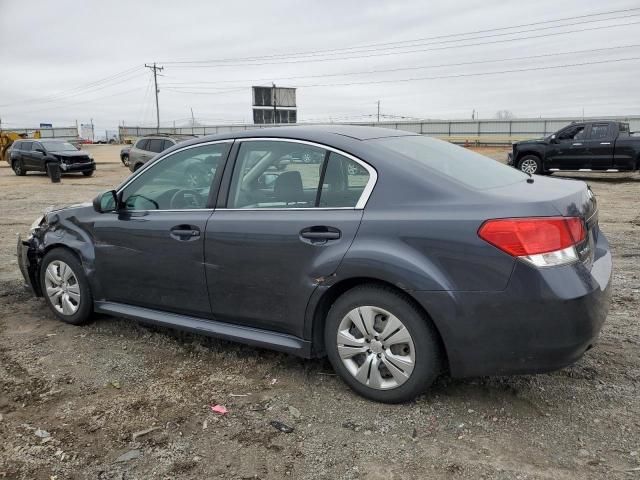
[[553, 139], [41, 150], [106, 202]]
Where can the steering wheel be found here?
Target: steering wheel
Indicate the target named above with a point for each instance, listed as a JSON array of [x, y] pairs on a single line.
[[179, 199]]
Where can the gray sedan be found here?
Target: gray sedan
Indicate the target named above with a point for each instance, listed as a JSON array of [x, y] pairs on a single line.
[[396, 255]]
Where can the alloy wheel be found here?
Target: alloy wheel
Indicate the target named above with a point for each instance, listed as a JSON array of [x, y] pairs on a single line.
[[62, 287], [529, 166], [376, 347]]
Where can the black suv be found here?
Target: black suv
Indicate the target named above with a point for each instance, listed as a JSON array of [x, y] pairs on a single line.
[[34, 155]]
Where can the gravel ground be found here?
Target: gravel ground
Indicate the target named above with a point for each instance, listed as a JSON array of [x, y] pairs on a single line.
[[117, 400]]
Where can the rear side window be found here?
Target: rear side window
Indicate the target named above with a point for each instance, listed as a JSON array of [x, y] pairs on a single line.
[[155, 145], [599, 131], [623, 128], [343, 182], [142, 144], [166, 144], [457, 163]]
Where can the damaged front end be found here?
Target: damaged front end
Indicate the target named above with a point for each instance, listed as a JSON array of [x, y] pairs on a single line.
[[30, 251]]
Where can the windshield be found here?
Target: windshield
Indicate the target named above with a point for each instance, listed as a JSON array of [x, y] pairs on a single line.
[[460, 164], [60, 147]]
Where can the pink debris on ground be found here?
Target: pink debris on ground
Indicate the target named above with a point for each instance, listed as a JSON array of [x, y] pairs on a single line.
[[219, 409]]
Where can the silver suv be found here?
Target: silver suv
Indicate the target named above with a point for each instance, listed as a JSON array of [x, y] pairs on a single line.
[[147, 147]]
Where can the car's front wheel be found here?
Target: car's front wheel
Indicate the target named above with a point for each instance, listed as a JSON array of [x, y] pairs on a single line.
[[381, 344], [65, 287], [530, 164], [88, 173]]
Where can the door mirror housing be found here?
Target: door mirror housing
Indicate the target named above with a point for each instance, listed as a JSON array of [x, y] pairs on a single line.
[[41, 150], [106, 202], [553, 139]]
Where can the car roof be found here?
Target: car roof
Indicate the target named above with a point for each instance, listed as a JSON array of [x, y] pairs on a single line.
[[357, 132], [314, 133]]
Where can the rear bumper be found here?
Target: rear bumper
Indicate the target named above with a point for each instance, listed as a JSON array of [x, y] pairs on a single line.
[[77, 167], [545, 320]]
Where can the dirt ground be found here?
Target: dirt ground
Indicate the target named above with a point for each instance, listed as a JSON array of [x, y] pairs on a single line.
[[74, 400]]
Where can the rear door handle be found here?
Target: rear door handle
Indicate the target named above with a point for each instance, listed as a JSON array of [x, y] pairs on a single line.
[[185, 233], [576, 144], [605, 143], [320, 234]]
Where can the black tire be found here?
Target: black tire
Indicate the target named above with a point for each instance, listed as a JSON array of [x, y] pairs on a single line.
[[88, 173], [18, 168], [85, 304], [427, 351], [125, 160], [525, 164]]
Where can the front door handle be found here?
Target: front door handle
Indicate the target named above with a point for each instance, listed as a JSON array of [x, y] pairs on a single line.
[[605, 143], [576, 144], [319, 234], [185, 233]]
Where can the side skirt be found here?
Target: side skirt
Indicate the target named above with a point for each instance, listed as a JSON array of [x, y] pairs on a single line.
[[236, 333]]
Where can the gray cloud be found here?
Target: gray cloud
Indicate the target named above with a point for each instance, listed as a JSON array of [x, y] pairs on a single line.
[[54, 47]]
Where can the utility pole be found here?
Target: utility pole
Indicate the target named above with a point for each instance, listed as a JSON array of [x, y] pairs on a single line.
[[193, 120], [378, 111], [93, 135], [155, 69]]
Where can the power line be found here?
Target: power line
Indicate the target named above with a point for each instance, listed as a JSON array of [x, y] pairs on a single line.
[[326, 51], [471, 74], [381, 54], [85, 88], [399, 69]]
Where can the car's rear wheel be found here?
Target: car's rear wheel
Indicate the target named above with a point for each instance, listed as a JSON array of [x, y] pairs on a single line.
[[65, 287], [530, 164], [125, 160], [381, 344], [18, 168]]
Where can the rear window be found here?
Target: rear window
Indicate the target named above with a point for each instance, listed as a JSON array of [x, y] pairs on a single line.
[[457, 163]]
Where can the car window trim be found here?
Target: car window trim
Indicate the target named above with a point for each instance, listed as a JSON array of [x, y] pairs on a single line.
[[360, 204], [149, 165]]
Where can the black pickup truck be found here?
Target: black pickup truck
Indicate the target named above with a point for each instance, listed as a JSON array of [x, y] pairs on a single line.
[[604, 146]]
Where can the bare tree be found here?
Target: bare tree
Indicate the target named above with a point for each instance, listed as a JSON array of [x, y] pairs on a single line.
[[504, 115]]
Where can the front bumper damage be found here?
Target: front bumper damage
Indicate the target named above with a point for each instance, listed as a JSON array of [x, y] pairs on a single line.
[[28, 263]]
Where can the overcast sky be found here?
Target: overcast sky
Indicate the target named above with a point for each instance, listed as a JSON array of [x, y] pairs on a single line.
[[64, 61]]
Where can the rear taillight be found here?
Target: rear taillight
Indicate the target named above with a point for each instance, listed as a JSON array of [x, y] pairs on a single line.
[[541, 241]]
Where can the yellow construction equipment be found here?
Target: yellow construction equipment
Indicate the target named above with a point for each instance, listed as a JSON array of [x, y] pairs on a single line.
[[7, 138]]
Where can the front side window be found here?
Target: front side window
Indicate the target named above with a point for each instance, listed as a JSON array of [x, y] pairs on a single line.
[[37, 146], [166, 144], [26, 146], [572, 133], [599, 131], [275, 174], [177, 182]]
